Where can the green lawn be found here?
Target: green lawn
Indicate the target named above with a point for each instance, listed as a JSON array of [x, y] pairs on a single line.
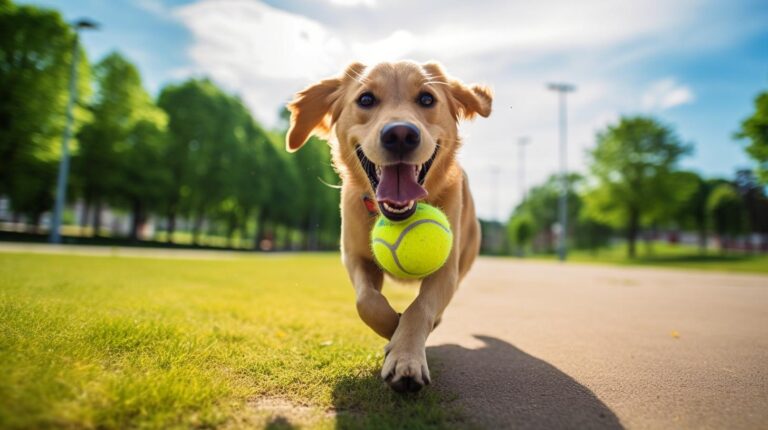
[[263, 341], [663, 254]]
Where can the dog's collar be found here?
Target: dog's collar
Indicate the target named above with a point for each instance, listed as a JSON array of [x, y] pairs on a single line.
[[370, 205]]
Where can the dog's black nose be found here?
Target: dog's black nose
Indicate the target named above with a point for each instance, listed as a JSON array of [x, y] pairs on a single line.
[[400, 137]]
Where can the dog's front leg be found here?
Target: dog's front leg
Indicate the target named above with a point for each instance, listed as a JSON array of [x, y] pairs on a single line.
[[374, 309], [405, 363]]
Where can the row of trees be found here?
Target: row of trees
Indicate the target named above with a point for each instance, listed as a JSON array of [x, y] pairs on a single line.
[[635, 184], [193, 153]]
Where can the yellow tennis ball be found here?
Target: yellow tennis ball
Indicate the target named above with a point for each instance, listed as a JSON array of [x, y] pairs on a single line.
[[415, 247]]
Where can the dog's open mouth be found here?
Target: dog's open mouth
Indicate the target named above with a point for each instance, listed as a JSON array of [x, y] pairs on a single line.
[[398, 186]]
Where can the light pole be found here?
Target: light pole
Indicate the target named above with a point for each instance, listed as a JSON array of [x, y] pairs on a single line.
[[562, 89], [521, 142], [495, 170], [61, 182]]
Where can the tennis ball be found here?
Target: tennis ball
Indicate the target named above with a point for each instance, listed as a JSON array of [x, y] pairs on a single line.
[[415, 247]]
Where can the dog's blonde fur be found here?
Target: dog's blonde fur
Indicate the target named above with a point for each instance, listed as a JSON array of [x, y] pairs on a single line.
[[328, 109]]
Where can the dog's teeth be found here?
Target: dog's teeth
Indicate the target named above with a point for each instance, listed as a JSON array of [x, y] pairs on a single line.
[[378, 171], [399, 210]]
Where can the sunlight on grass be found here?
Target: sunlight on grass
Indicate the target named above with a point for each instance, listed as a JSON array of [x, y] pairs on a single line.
[[126, 342]]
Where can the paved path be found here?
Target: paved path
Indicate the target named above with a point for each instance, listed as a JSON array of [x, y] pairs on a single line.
[[544, 345]]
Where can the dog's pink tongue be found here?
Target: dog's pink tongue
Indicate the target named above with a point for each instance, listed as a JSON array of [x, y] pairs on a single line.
[[398, 184]]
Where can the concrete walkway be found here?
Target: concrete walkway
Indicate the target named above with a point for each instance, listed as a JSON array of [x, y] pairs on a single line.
[[545, 345]]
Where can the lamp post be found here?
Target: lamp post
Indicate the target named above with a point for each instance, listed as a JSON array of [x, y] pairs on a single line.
[[61, 182], [521, 142], [495, 170], [562, 89]]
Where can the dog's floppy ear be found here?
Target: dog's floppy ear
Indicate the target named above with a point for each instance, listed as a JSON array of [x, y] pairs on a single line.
[[472, 100], [311, 108], [466, 101]]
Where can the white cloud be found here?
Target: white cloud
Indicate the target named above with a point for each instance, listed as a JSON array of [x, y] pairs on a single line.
[[265, 54], [155, 7], [351, 3], [666, 93]]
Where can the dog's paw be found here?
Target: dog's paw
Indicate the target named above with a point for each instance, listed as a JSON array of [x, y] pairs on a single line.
[[405, 371]]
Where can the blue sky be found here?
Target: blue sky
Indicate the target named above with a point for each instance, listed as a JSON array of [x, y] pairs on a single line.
[[696, 65]]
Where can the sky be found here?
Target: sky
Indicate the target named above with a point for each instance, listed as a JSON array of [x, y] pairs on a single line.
[[694, 65]]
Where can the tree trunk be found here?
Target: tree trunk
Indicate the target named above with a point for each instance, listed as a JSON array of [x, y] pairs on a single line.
[[196, 228], [97, 218], [84, 215], [34, 226], [281, 239], [632, 229], [244, 233], [703, 240], [261, 229], [231, 227], [137, 219], [171, 225]]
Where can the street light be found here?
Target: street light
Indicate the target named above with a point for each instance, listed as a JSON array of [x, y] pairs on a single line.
[[521, 142], [61, 182], [562, 89], [495, 170]]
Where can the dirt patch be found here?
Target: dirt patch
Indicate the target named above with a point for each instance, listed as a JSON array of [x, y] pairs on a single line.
[[277, 413]]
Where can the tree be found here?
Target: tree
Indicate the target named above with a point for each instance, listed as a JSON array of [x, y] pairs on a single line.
[[520, 231], [591, 234], [320, 203], [142, 176], [692, 213], [35, 61], [541, 206], [119, 156], [755, 129], [755, 202], [726, 209], [217, 157], [283, 198], [634, 165]]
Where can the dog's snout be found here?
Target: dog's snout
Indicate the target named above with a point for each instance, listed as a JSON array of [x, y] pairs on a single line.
[[400, 137]]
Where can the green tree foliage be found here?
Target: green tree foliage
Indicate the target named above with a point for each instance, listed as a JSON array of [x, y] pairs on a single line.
[[204, 134], [541, 206], [222, 165], [35, 61], [119, 159], [636, 183], [755, 129], [283, 198], [590, 234], [753, 194], [539, 211], [726, 210], [692, 212], [319, 207], [520, 231]]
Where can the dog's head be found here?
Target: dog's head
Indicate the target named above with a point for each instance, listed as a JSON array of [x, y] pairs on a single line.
[[393, 123]]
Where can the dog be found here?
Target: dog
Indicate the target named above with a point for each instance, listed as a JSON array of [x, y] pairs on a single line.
[[393, 132]]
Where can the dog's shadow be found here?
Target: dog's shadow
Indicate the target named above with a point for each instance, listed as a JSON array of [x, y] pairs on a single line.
[[495, 386]]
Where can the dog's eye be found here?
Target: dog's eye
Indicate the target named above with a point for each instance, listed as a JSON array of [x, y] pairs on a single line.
[[366, 100], [426, 99]]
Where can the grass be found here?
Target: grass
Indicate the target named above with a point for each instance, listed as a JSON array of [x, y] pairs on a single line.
[[266, 341], [663, 254]]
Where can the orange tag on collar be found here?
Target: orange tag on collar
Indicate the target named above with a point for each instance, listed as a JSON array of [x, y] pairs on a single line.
[[370, 205]]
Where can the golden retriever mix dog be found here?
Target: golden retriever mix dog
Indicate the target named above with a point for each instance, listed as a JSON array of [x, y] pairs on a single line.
[[393, 131]]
